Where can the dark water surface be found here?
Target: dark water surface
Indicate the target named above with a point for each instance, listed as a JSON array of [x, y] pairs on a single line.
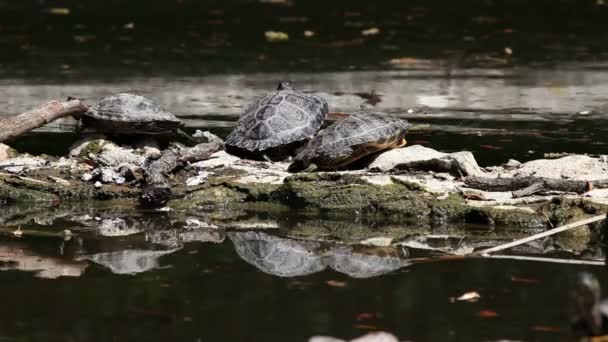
[[206, 292]]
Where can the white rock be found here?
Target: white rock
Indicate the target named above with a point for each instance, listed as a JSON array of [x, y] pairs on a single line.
[[108, 175], [21, 163], [420, 157], [6, 152], [220, 158], [575, 167], [198, 179], [98, 184], [379, 241]]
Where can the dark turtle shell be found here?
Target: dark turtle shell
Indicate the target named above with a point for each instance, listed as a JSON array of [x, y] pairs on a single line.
[[129, 113], [281, 118], [350, 139]]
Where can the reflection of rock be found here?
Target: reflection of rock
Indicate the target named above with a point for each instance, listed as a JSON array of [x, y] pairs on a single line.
[[19, 257], [289, 258], [278, 256], [118, 227], [129, 261], [377, 336], [364, 265]]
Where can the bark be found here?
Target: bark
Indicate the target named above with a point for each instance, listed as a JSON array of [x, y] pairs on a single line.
[[13, 127], [526, 186], [157, 190]]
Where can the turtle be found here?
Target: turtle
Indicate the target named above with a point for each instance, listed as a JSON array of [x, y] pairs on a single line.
[[126, 113], [349, 139], [276, 125], [591, 311]]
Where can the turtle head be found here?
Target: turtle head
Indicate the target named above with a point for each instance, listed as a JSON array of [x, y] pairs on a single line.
[[284, 85], [587, 297]]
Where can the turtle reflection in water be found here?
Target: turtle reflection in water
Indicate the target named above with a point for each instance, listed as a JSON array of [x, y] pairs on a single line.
[[125, 114], [273, 127], [350, 139], [591, 312], [286, 257]]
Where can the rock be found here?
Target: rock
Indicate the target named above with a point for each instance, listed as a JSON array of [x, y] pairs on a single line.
[[59, 181], [80, 145], [207, 136], [575, 167], [108, 175], [22, 163], [198, 179], [107, 153], [7, 152], [512, 164], [423, 158], [220, 158]]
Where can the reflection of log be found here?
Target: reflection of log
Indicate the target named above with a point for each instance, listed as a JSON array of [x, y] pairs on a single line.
[[156, 190], [13, 127], [526, 186]]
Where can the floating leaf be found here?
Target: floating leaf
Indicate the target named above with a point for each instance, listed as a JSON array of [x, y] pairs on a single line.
[[336, 283], [524, 280], [59, 11], [487, 313], [276, 36], [471, 297], [372, 31]]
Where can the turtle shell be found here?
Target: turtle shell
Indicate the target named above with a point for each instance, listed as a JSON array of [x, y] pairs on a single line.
[[129, 113], [352, 138], [283, 117]]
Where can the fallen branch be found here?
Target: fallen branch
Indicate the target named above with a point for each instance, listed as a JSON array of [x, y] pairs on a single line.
[[541, 235], [554, 260], [156, 190], [15, 126], [526, 186]]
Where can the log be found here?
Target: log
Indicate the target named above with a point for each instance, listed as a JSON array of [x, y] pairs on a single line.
[[526, 186], [15, 126], [157, 190]]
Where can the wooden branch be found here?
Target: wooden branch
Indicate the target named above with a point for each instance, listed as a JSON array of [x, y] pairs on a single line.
[[526, 186], [15, 126], [541, 235], [157, 190]]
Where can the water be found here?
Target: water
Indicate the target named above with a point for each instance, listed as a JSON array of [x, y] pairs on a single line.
[[205, 291], [495, 78]]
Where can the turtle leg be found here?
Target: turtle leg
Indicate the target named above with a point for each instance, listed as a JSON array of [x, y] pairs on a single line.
[[311, 168], [185, 136]]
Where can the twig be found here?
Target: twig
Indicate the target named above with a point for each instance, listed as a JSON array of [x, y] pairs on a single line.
[[555, 260], [542, 235]]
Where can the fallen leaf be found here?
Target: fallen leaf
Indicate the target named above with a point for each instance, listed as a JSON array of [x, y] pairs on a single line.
[[59, 11], [471, 297], [366, 316], [276, 36], [336, 283], [487, 313], [490, 147], [372, 31], [546, 328], [525, 280]]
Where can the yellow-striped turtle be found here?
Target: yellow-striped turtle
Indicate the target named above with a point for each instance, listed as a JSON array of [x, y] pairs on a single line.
[[349, 139], [275, 125]]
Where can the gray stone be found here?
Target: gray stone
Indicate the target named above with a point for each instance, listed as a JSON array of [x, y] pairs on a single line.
[[424, 158], [576, 167], [6, 152]]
